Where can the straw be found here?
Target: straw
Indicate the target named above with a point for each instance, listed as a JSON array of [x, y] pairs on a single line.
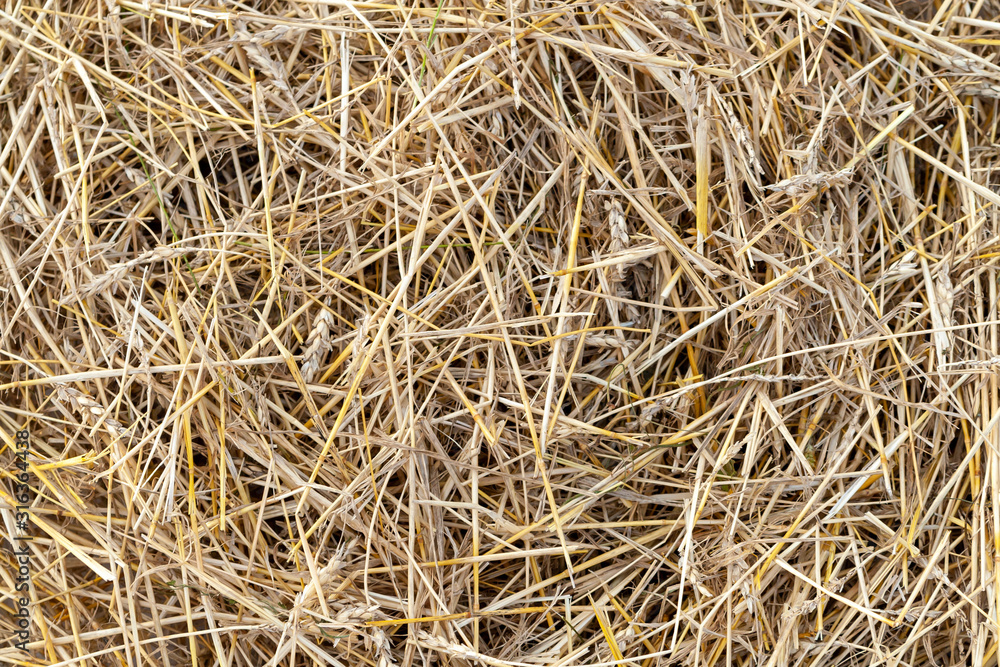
[[644, 332]]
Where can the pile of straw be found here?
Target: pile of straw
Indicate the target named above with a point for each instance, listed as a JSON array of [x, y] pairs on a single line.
[[643, 332]]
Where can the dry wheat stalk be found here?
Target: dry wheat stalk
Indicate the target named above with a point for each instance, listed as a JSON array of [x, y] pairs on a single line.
[[254, 47], [619, 234], [801, 184], [430, 641], [112, 278], [317, 345], [93, 412]]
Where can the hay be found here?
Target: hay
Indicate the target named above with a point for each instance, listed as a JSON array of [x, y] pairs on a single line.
[[521, 333]]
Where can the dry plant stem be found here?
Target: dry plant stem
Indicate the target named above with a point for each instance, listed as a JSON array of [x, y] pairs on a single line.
[[524, 333]]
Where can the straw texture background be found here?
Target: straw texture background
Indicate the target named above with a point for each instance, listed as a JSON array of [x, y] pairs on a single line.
[[642, 332]]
